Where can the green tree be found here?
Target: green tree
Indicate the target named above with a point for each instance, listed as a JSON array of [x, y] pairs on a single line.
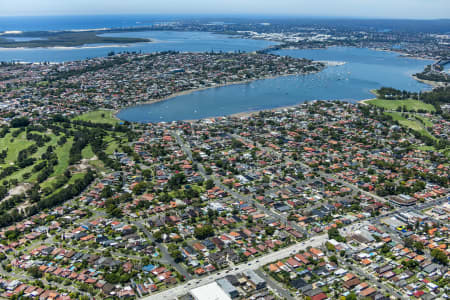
[[140, 188], [439, 256], [209, 184], [203, 232]]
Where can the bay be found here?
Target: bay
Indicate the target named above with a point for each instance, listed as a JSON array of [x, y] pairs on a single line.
[[364, 70]]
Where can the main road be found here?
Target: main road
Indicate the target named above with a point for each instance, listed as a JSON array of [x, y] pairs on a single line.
[[183, 289]]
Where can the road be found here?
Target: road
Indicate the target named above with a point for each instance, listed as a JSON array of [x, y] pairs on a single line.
[[246, 199], [23, 277], [315, 241], [323, 174], [275, 286], [164, 253], [374, 280], [183, 289]]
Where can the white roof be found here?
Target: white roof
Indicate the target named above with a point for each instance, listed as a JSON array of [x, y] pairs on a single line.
[[210, 291]]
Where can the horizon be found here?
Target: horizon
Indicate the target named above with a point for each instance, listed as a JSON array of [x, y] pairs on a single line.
[[369, 9], [242, 16]]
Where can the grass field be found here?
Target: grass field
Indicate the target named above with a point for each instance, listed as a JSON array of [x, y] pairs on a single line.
[[14, 146], [425, 120], [410, 104], [410, 123], [87, 152], [71, 181], [445, 152], [99, 116], [63, 157]]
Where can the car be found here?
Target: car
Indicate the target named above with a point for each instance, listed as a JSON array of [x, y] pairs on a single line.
[[249, 264]]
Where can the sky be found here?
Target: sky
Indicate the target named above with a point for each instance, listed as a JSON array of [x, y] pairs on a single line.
[[401, 9]]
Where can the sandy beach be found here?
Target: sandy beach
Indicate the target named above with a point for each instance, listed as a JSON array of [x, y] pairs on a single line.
[[434, 84]]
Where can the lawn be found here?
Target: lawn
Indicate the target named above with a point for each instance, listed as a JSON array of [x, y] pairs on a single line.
[[99, 116], [425, 120], [410, 104], [113, 142], [410, 123], [71, 181], [19, 143], [87, 152], [445, 152], [63, 162], [14, 146]]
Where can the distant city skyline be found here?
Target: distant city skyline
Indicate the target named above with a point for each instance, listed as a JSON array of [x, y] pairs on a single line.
[[399, 9]]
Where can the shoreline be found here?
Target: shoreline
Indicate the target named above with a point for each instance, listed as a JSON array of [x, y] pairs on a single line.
[[246, 114], [84, 46], [399, 52], [187, 92], [364, 101], [433, 84]]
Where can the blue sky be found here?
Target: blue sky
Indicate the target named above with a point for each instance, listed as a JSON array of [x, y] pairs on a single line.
[[417, 9]]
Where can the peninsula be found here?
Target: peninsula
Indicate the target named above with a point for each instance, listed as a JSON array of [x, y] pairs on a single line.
[[47, 39], [128, 79]]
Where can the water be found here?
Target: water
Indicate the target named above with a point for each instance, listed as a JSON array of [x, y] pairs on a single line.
[[164, 41], [364, 70], [25, 39], [46, 23]]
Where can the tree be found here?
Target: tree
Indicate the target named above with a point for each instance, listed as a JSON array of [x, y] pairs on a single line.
[[334, 259], [139, 188], [177, 256], [333, 233], [112, 278], [20, 122], [250, 220], [203, 232], [147, 173], [158, 236], [330, 247], [410, 264], [269, 230], [385, 248], [176, 181], [409, 243], [209, 184], [35, 272], [106, 192], [439, 256], [351, 296], [419, 247]]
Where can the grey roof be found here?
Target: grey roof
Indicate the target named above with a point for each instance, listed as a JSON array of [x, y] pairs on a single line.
[[227, 286], [254, 277]]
